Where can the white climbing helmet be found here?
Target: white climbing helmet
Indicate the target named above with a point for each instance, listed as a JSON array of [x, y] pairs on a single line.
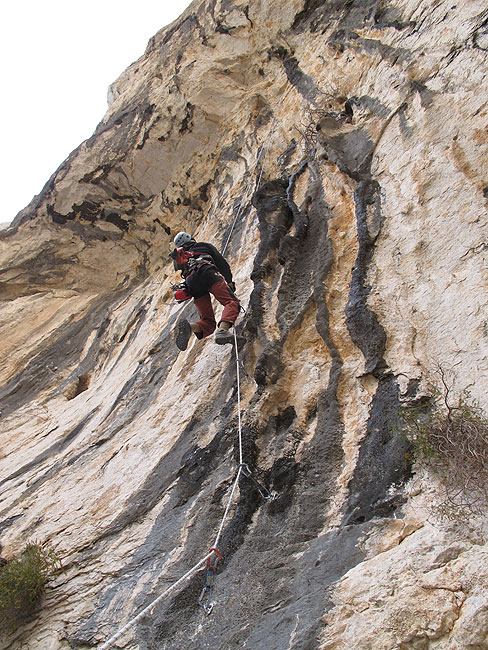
[[182, 238]]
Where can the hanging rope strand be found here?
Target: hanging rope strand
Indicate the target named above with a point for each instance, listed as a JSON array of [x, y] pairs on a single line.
[[229, 502], [239, 427], [239, 420]]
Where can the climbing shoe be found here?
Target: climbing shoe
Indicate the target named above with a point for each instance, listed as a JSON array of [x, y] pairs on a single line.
[[183, 334], [224, 336], [227, 336]]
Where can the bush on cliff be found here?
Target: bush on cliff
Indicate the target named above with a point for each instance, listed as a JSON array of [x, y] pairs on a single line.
[[451, 439], [22, 583]]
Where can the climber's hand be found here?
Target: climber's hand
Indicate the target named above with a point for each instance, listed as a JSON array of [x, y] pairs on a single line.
[[232, 286]]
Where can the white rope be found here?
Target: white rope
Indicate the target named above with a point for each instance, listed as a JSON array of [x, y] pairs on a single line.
[[195, 568], [239, 425], [236, 480], [239, 421], [141, 614]]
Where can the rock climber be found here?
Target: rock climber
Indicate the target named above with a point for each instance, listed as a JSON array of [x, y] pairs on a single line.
[[205, 271]]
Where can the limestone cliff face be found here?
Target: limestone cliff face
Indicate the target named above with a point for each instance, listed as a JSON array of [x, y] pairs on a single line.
[[339, 150]]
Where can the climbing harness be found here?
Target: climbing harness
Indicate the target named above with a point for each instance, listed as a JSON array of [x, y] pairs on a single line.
[[190, 261], [196, 262], [213, 556]]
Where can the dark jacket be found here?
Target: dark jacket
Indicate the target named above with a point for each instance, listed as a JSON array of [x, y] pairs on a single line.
[[206, 249]]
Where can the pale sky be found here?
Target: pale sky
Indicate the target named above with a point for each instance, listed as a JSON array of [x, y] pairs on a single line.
[[58, 59]]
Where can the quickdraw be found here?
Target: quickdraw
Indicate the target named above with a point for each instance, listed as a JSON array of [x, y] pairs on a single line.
[[205, 600], [265, 493]]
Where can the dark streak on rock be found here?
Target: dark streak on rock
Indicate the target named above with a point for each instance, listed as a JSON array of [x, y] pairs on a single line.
[[362, 323], [480, 37], [275, 219], [6, 523], [317, 12], [299, 79], [383, 465], [269, 365], [426, 95], [349, 151], [187, 124], [116, 219], [88, 211]]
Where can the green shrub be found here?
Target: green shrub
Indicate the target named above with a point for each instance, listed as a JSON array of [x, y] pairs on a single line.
[[22, 583], [451, 439]]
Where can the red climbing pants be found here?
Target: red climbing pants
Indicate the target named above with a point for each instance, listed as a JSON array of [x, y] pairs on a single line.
[[203, 304]]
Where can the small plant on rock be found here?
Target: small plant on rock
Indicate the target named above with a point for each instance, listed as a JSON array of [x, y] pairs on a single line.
[[451, 438], [22, 583]]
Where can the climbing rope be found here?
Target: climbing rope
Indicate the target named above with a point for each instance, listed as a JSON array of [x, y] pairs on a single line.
[[205, 600]]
